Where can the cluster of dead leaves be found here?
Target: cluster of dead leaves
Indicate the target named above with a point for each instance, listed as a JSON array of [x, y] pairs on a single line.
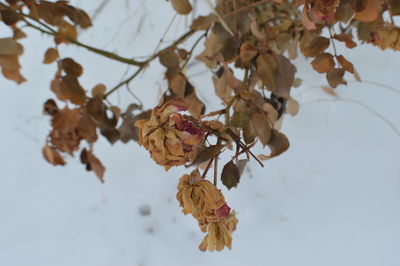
[[207, 205]]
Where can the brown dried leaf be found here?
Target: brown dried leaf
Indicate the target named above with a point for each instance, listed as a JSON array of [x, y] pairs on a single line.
[[284, 77], [98, 90], [71, 67], [292, 107], [346, 38], [315, 46], [65, 33], [93, 164], [370, 12], [182, 7], [66, 120], [207, 154], [347, 65], [178, 85], [9, 16], [50, 107], [71, 90], [278, 144], [335, 77], [50, 56], [247, 53], [262, 128], [169, 59], [52, 155], [203, 22], [230, 175], [87, 128], [8, 46], [267, 69], [323, 63]]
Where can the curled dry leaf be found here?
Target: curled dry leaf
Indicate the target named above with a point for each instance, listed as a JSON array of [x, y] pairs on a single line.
[[50, 56], [52, 155], [93, 164], [347, 65], [278, 144]]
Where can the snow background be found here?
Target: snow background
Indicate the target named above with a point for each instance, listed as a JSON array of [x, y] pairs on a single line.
[[332, 199]]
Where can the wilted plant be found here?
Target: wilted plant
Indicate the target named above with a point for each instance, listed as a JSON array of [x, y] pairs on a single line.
[[259, 38]]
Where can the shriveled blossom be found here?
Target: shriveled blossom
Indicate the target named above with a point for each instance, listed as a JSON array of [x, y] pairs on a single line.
[[206, 203], [170, 138], [201, 198], [219, 234]]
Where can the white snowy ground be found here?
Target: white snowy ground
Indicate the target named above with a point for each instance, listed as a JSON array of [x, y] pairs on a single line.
[[332, 199]]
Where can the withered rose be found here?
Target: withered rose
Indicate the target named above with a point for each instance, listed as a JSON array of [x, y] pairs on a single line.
[[219, 234], [201, 198], [170, 138]]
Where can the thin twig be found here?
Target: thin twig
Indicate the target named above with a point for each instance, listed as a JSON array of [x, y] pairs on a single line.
[[215, 170], [193, 47]]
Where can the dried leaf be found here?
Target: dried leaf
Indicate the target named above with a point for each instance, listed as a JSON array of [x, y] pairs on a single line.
[[98, 90], [335, 77], [315, 46], [169, 59], [267, 69], [230, 175], [207, 154], [278, 144], [93, 164], [348, 66], [346, 38], [71, 67], [261, 126], [71, 90], [203, 22], [8, 46], [241, 165], [370, 12], [52, 155], [178, 85], [284, 77], [50, 107], [50, 56], [9, 16], [182, 7], [292, 107], [323, 63]]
